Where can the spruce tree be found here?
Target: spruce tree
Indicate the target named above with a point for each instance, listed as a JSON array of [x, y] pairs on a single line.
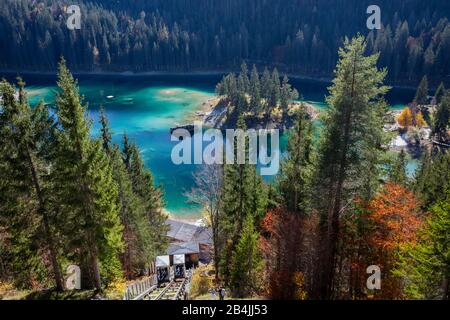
[[246, 262], [105, 130], [266, 87], [137, 233], [85, 189], [126, 151], [26, 197], [151, 197], [398, 174], [442, 118], [421, 97], [425, 264], [244, 76], [275, 91], [258, 195], [433, 178], [350, 150], [294, 181], [237, 194], [440, 91], [287, 94], [255, 91]]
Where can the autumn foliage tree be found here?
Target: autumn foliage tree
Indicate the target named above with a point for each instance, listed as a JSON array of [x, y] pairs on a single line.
[[405, 119], [420, 121], [285, 245], [394, 218]]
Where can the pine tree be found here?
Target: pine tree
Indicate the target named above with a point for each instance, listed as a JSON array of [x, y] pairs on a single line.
[[398, 174], [296, 170], [126, 151], [26, 200], [421, 97], [425, 265], [85, 189], [350, 151], [243, 194], [433, 178], [245, 80], [151, 197], [255, 91], [440, 91], [246, 262], [442, 118], [287, 94], [258, 196], [105, 131], [137, 234], [266, 87], [275, 89]]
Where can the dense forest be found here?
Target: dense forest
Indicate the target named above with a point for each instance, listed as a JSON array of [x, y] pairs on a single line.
[[342, 202], [299, 37], [67, 198], [339, 204]]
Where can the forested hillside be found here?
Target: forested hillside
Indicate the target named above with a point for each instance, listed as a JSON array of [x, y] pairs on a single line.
[[66, 197], [300, 37]]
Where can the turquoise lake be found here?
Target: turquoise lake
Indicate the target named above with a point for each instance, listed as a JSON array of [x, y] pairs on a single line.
[[147, 106]]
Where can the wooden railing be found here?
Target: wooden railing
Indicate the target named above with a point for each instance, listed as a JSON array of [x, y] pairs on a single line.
[[138, 290]]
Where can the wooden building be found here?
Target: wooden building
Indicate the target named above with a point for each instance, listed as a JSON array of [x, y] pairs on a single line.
[[194, 241]]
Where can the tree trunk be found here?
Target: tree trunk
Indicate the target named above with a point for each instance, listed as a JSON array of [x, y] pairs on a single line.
[[47, 232], [216, 248], [92, 248], [446, 288], [336, 206], [95, 269], [53, 256]]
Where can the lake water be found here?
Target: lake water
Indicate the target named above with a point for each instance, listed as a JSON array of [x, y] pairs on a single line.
[[146, 106]]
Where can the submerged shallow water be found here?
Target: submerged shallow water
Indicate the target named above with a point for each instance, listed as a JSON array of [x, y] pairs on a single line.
[[147, 106]]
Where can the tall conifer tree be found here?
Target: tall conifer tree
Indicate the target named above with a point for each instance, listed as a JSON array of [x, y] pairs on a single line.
[[294, 181], [86, 191], [350, 150], [26, 196]]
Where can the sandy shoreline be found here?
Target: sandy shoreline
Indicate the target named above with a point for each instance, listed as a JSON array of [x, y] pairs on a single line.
[[204, 109], [190, 220]]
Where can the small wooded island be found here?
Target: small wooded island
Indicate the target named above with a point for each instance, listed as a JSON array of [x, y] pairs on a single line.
[[262, 100]]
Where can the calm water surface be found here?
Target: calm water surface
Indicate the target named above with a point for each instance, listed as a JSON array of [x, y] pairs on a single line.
[[146, 106]]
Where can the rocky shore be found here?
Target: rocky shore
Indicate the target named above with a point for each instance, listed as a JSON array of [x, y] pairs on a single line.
[[214, 111]]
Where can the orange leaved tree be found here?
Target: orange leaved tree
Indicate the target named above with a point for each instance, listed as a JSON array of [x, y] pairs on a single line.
[[285, 244], [394, 217], [420, 121], [405, 119]]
